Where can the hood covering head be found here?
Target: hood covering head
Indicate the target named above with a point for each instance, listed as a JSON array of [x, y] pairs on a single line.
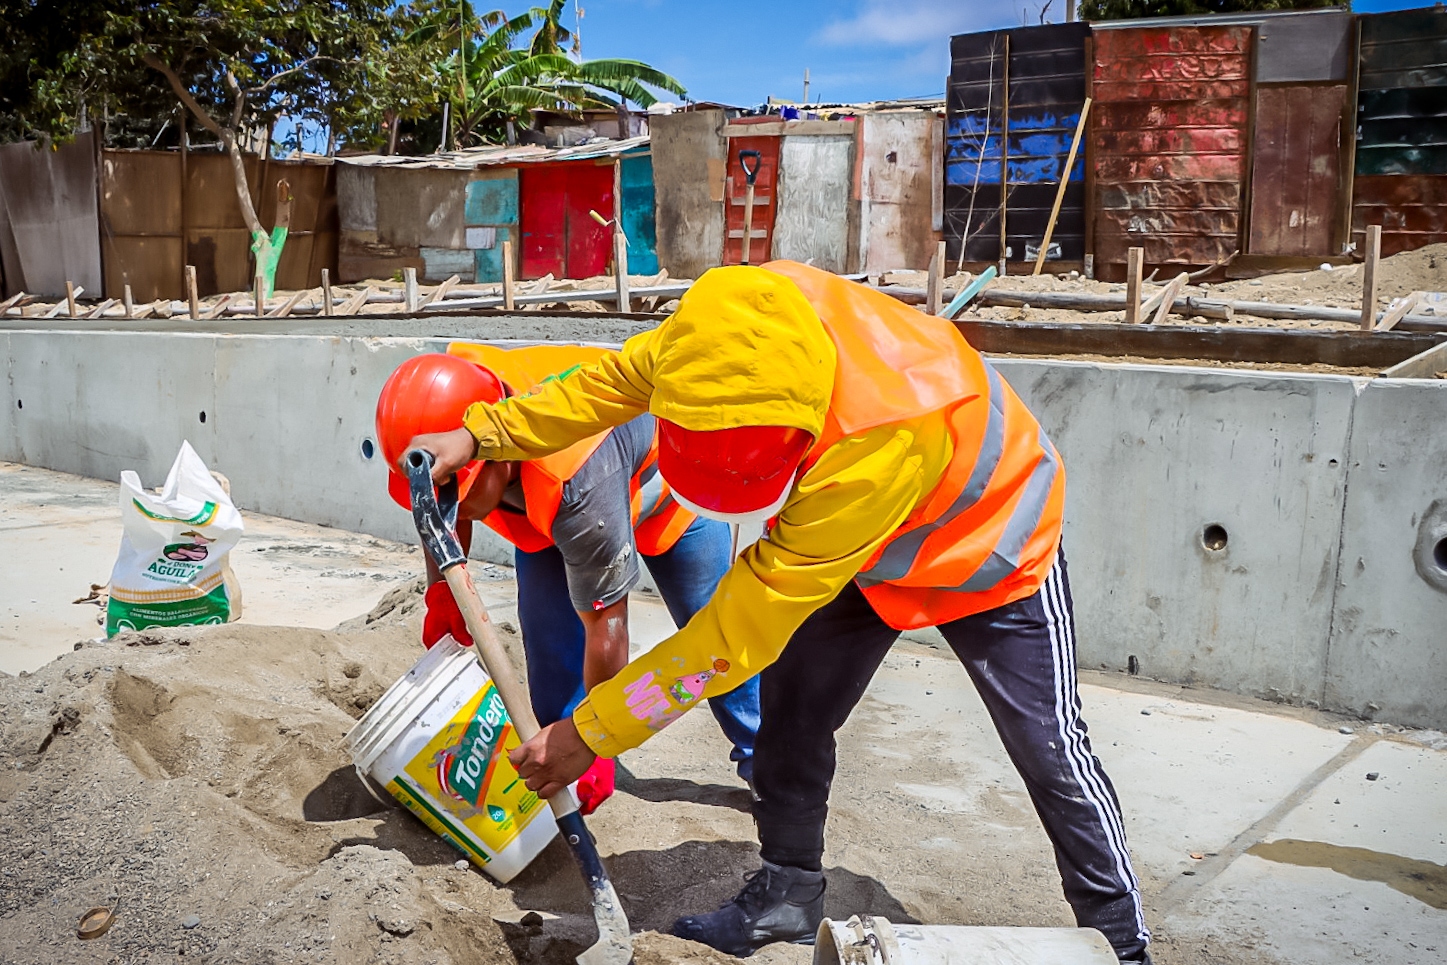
[[745, 348]]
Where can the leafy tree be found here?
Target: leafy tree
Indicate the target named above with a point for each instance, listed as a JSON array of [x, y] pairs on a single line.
[[1133, 9]]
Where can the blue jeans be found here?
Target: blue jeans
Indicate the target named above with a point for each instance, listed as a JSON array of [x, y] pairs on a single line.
[[553, 637]]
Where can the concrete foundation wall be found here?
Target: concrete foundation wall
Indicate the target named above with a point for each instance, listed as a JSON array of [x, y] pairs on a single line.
[[1330, 587]]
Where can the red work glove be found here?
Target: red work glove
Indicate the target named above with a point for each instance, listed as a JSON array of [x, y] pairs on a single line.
[[443, 617], [595, 786]]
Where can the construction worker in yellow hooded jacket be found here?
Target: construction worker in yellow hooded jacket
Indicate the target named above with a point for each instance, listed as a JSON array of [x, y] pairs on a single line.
[[905, 485]]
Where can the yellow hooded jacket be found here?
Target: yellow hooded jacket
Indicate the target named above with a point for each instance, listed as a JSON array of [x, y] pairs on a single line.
[[747, 348]]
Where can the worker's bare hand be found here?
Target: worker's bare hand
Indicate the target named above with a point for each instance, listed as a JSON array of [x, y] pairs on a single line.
[[450, 451], [553, 759]]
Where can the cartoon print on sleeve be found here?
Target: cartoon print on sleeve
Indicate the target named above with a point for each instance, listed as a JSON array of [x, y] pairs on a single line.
[[688, 688]]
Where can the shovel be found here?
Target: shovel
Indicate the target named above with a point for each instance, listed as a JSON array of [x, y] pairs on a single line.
[[435, 513]]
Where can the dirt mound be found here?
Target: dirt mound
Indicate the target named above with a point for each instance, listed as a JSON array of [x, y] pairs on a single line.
[[196, 782]]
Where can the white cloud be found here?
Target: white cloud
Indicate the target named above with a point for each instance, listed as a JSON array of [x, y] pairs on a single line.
[[900, 22]]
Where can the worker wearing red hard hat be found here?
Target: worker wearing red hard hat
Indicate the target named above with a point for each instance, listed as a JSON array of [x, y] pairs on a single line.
[[578, 519], [907, 486]]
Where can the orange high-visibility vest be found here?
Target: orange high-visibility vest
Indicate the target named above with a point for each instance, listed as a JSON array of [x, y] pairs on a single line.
[[988, 533], [656, 526]]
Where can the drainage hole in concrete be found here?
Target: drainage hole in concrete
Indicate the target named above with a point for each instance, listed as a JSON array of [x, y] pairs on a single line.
[[368, 449], [1439, 554], [203, 418], [1213, 537], [19, 403], [1132, 665]]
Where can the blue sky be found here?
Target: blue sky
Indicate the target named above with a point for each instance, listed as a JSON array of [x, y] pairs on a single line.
[[856, 50]]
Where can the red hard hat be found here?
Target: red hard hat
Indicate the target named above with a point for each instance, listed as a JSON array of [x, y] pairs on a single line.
[[730, 471], [430, 393]]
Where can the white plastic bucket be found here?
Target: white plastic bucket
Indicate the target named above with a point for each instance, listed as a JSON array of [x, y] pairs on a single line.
[[875, 941], [438, 740]]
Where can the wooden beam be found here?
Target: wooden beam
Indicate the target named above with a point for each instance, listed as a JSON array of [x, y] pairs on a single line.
[[258, 292], [1165, 299], [129, 300], [439, 292], [1060, 190], [1397, 311], [221, 304], [1369, 276], [936, 284], [620, 271], [1133, 264], [507, 286], [100, 309], [409, 290], [70, 293], [327, 307], [354, 304], [284, 309], [193, 299], [11, 302], [1423, 365]]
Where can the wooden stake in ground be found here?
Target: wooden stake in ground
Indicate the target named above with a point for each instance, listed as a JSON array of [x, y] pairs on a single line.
[[70, 294], [129, 302], [11, 302], [326, 292], [409, 290], [193, 298], [1060, 190], [507, 292], [1134, 261], [620, 271], [1369, 276], [935, 286], [221, 304], [284, 309], [259, 292]]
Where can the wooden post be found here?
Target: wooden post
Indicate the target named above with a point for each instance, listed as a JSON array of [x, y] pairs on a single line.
[[1369, 276], [129, 301], [620, 271], [1004, 153], [1166, 299], [259, 292], [327, 292], [353, 305], [1398, 311], [934, 288], [70, 298], [192, 297], [1134, 259], [1060, 191], [507, 292], [409, 290]]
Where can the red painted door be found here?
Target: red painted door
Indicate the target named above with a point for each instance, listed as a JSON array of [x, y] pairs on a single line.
[[559, 236], [762, 229], [590, 188]]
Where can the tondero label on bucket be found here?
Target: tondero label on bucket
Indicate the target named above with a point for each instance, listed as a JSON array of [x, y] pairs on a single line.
[[465, 768]]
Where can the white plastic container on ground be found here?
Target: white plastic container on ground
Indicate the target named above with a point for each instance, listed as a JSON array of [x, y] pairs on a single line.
[[438, 740], [866, 940]]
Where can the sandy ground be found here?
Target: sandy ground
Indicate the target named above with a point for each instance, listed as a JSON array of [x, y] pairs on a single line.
[[1422, 270], [195, 781]]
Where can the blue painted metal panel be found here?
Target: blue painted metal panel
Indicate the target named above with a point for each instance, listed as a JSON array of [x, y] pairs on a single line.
[[488, 261], [492, 202], [636, 176]]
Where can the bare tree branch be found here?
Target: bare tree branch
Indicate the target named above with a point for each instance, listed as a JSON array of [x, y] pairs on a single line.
[[207, 121]]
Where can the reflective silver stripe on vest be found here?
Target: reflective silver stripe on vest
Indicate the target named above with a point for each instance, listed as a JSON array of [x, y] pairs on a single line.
[[1022, 524], [900, 555], [652, 499]]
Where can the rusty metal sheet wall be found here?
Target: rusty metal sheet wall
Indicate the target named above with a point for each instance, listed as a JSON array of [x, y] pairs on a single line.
[[1412, 209], [1313, 45], [1295, 173], [1169, 132], [155, 222], [49, 233], [1047, 72]]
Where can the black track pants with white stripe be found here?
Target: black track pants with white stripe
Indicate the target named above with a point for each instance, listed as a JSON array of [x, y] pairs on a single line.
[[1021, 658]]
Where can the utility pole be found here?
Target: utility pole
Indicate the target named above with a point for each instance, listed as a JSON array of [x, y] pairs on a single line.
[[806, 85]]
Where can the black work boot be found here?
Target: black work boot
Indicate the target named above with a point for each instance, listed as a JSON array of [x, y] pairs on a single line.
[[777, 904]]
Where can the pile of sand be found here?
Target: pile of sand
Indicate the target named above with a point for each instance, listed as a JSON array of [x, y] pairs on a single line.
[[190, 777]]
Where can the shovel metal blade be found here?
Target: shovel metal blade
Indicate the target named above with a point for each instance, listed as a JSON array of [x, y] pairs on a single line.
[[615, 942]]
